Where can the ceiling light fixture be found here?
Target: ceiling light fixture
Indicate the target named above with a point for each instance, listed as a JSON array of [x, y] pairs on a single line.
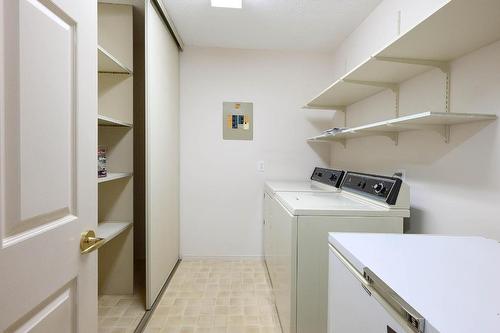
[[227, 3]]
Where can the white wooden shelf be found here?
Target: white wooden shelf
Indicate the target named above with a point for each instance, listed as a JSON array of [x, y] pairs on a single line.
[[457, 28], [107, 63], [433, 121], [114, 176], [110, 229], [108, 121]]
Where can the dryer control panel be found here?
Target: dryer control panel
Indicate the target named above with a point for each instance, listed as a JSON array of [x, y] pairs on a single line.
[[376, 187], [328, 176]]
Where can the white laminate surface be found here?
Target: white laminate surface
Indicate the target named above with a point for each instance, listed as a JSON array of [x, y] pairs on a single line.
[[450, 280]]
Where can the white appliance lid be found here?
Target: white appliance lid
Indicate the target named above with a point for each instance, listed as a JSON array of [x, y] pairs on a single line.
[[333, 204], [297, 186], [452, 281]]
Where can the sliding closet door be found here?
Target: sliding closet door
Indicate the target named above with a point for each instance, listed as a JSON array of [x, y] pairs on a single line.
[[162, 153]]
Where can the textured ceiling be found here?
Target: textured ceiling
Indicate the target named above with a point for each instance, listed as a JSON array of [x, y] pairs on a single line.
[[269, 24]]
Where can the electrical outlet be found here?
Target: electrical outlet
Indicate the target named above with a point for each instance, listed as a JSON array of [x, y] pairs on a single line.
[[401, 173], [260, 166]]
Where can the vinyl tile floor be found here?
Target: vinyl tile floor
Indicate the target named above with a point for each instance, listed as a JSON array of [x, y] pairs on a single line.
[[119, 313], [122, 313], [217, 296]]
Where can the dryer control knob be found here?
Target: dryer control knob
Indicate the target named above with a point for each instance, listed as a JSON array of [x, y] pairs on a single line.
[[379, 188]]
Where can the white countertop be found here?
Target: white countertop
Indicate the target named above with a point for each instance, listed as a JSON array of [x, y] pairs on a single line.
[[452, 281]]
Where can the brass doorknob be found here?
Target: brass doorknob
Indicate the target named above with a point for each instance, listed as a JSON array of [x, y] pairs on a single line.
[[89, 242]]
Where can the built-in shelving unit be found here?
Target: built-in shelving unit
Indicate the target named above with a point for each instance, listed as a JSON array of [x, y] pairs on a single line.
[[114, 176], [107, 63], [108, 121], [115, 136], [111, 229], [431, 121], [439, 39]]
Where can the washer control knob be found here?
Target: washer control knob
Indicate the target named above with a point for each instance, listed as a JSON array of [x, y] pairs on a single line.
[[333, 177], [379, 188]]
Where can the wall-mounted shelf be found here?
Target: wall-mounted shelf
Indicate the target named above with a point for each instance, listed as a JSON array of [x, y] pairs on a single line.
[[433, 121], [114, 176], [107, 63], [457, 28], [110, 229], [108, 121]]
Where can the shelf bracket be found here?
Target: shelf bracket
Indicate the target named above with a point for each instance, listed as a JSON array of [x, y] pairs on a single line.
[[442, 65], [442, 130], [387, 85], [446, 135], [394, 136], [343, 143]]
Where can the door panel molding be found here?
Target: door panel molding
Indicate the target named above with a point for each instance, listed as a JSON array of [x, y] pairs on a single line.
[[57, 313], [20, 237], [39, 148]]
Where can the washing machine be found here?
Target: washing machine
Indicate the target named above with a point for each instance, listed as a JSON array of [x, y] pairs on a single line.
[[301, 221], [321, 180]]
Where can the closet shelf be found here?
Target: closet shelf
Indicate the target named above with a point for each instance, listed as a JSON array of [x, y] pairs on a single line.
[[110, 229], [114, 176], [107, 63], [108, 121], [433, 121], [439, 39]]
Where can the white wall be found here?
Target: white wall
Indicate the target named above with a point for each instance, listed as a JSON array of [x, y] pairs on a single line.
[[221, 189], [455, 187]]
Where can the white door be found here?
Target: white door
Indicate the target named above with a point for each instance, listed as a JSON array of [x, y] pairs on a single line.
[[48, 98], [162, 153]]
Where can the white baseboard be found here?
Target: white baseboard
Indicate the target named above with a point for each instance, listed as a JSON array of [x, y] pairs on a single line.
[[221, 258]]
